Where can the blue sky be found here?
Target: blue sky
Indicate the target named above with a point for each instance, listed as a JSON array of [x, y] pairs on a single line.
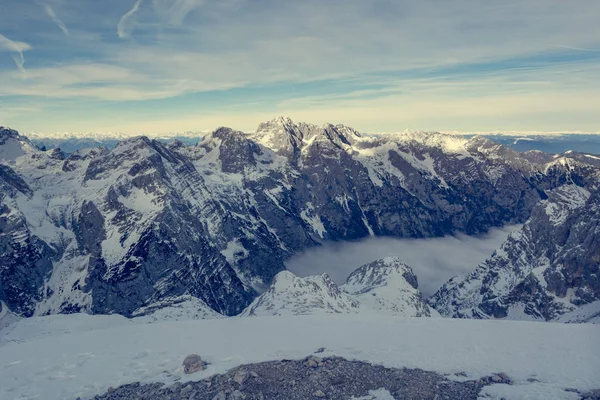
[[155, 66]]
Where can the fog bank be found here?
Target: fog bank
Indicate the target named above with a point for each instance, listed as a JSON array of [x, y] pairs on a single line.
[[434, 260]]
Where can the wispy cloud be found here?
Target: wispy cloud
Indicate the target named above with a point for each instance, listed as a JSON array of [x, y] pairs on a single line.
[[563, 46], [15, 47], [91, 81], [124, 25], [175, 11], [50, 12], [7, 112], [166, 11]]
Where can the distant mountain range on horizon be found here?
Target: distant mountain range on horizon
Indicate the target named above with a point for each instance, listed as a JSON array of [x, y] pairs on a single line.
[[551, 142]]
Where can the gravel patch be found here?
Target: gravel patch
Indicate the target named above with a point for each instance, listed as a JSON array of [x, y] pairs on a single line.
[[310, 378]]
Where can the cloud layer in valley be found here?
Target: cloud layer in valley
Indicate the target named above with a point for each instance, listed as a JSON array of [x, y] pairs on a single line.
[[434, 261]]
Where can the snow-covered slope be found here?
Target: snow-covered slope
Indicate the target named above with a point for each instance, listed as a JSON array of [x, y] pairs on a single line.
[[12, 147], [548, 270], [6, 316], [291, 295], [111, 231], [588, 313], [386, 286], [66, 356], [176, 309]]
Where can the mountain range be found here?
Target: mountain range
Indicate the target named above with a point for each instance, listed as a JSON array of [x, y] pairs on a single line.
[[146, 224], [549, 142]]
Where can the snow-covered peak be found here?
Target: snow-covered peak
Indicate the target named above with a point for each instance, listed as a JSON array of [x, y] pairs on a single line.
[[347, 130], [292, 295], [385, 286], [7, 133], [581, 158], [278, 124], [340, 135], [233, 150], [491, 149], [225, 134], [379, 273], [85, 154], [282, 120], [146, 221], [284, 136], [13, 145], [566, 162], [131, 156], [131, 143], [286, 280], [388, 285], [281, 135]]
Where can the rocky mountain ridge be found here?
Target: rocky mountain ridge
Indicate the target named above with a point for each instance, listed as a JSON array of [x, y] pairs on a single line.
[[544, 271], [113, 231]]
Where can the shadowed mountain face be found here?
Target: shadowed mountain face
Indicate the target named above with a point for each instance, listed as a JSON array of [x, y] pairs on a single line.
[[544, 271], [114, 230]]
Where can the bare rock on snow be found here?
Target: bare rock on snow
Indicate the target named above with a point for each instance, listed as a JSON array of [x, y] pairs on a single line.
[[192, 364]]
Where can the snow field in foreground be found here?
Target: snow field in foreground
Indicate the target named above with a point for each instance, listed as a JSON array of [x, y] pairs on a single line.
[[66, 356]]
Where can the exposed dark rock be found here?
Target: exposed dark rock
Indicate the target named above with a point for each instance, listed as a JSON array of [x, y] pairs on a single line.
[[192, 363], [336, 378]]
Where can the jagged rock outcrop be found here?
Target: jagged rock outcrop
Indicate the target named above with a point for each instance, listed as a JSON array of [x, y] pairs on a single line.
[[105, 231], [549, 268]]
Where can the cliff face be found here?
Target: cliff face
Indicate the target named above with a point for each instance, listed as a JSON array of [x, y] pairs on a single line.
[[549, 268]]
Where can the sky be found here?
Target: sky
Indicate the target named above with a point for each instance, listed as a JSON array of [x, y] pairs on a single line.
[[157, 66]]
